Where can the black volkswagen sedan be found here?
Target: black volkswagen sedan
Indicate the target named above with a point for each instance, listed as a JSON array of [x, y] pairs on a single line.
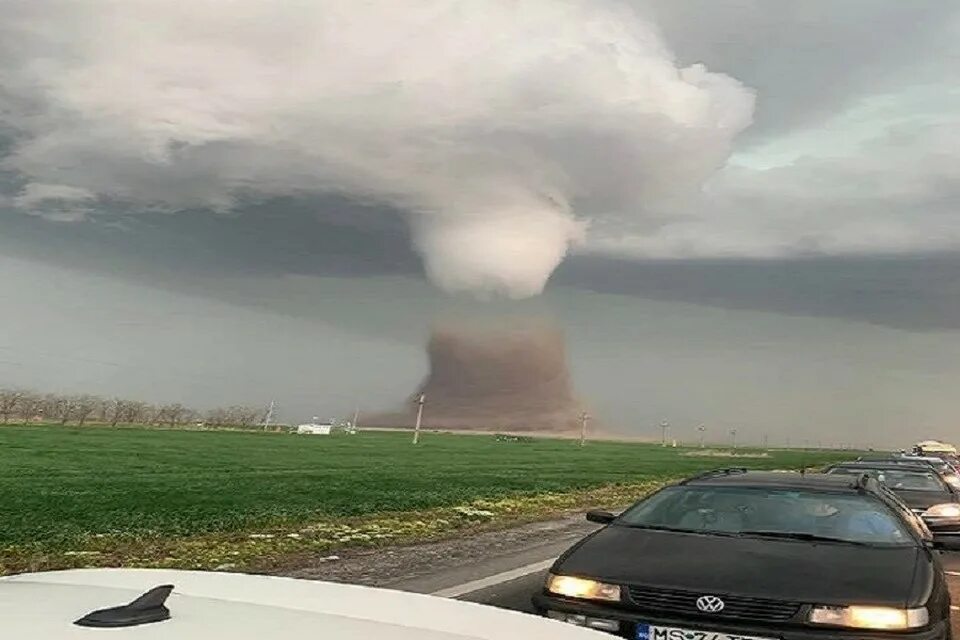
[[737, 555]]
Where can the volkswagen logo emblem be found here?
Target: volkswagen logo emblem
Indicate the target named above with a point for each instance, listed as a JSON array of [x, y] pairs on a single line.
[[710, 604]]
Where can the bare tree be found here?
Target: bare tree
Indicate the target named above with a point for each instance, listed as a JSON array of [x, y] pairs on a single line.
[[58, 407], [101, 413], [176, 414], [115, 410], [131, 412], [191, 416], [243, 416], [28, 407], [9, 399], [218, 417], [233, 416], [171, 414], [82, 406], [86, 408], [142, 413]]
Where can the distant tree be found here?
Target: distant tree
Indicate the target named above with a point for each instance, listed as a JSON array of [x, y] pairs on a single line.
[[115, 410], [82, 406], [137, 412], [172, 414], [244, 416], [233, 416], [28, 407], [190, 416], [101, 412], [58, 407], [9, 399], [218, 417]]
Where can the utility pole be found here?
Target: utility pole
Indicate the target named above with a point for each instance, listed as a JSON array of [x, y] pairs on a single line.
[[663, 433], [356, 416], [421, 399], [733, 438], [269, 417], [584, 417], [701, 429]]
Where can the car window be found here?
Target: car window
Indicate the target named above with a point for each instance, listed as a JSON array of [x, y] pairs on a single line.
[[899, 479], [850, 517]]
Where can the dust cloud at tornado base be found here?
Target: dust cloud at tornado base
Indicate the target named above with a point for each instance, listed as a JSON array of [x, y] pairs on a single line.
[[494, 377]]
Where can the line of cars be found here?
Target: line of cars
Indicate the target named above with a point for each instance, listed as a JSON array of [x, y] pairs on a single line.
[[851, 552]]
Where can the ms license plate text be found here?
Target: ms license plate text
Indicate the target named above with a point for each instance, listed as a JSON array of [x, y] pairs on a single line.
[[650, 632]]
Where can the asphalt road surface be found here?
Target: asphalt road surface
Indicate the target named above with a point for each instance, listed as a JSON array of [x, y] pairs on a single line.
[[515, 593]]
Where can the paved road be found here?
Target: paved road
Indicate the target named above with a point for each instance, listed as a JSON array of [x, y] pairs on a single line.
[[515, 594]]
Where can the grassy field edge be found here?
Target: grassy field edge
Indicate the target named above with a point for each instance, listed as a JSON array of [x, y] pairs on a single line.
[[268, 549]]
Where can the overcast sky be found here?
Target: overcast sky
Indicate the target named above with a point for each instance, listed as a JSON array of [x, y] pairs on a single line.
[[742, 213]]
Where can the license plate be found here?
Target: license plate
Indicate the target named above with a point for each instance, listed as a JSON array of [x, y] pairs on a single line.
[[656, 632]]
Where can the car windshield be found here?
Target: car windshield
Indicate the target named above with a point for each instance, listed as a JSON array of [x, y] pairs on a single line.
[[746, 511], [899, 479]]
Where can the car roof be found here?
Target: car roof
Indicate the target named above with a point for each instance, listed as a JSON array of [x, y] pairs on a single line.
[[907, 460], [884, 464], [221, 606], [780, 480]]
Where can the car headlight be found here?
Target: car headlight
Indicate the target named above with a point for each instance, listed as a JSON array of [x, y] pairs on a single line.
[[870, 617], [945, 510], [582, 588]]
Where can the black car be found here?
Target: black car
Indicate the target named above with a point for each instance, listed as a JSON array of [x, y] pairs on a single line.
[[737, 555], [920, 487], [946, 469]]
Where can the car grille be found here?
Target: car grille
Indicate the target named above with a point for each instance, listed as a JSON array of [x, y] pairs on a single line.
[[684, 603]]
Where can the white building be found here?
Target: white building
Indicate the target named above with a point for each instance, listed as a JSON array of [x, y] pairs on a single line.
[[315, 428]]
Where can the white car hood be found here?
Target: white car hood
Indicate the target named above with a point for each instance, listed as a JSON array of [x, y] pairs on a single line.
[[210, 606]]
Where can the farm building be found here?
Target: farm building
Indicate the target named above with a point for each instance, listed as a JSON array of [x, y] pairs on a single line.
[[315, 429]]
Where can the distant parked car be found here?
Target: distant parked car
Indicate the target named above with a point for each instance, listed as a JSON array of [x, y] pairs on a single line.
[[920, 487], [948, 471], [934, 447]]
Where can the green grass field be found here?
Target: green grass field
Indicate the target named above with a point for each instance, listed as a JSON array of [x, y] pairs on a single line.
[[59, 484]]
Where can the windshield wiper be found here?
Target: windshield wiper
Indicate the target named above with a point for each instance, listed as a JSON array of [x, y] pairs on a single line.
[[791, 535], [702, 532]]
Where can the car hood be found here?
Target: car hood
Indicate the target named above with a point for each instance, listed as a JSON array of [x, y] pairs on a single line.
[[789, 570], [215, 606]]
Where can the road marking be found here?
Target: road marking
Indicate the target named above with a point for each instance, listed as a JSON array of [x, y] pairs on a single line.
[[952, 573], [954, 607], [489, 581]]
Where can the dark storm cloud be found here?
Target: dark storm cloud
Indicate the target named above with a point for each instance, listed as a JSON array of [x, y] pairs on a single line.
[[919, 293], [330, 236]]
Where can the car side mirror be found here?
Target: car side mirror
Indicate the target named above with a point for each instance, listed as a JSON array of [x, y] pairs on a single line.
[[600, 517]]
